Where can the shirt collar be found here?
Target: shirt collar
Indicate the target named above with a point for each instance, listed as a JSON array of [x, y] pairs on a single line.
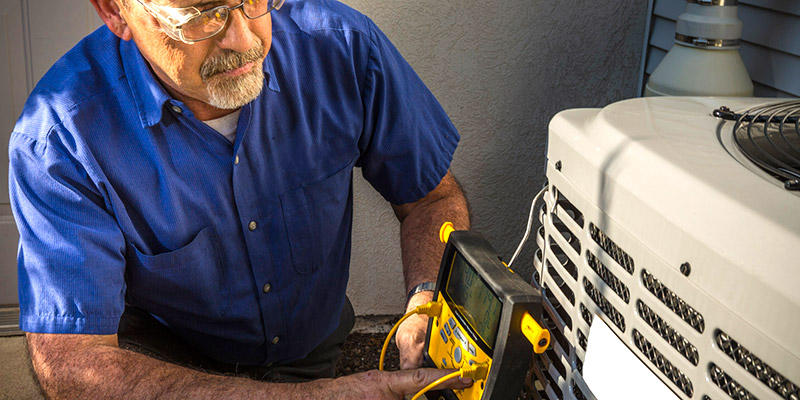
[[148, 94], [269, 74]]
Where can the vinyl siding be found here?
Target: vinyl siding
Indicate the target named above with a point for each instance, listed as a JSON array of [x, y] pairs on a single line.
[[770, 46]]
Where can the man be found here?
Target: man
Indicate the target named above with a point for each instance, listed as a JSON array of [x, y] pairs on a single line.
[[182, 184]]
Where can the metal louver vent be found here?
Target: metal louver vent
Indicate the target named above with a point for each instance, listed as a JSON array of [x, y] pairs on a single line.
[[542, 375], [582, 339], [566, 233], [577, 391], [728, 385], [560, 311], [555, 361], [9, 321], [670, 335], [608, 277], [587, 316], [562, 286], [663, 364], [552, 382], [604, 304], [552, 323], [620, 256], [759, 369], [675, 303], [568, 207], [563, 259]]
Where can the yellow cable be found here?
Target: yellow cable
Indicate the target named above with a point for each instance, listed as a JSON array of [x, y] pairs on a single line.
[[431, 309], [436, 382], [477, 372]]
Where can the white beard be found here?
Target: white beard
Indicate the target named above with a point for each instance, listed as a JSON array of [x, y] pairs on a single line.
[[230, 93]]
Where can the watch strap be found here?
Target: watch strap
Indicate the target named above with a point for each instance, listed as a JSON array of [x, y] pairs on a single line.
[[422, 287]]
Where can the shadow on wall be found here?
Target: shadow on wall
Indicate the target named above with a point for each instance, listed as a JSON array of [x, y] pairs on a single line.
[[501, 69]]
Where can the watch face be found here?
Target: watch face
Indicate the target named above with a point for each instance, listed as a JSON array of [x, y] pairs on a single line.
[[473, 301]]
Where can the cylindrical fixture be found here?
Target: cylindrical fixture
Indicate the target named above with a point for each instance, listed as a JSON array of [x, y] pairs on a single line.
[[705, 59], [706, 25]]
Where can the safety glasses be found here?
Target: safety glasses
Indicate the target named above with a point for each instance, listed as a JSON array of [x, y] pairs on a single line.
[[190, 25]]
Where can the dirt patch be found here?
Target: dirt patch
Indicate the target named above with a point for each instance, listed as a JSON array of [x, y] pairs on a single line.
[[362, 352]]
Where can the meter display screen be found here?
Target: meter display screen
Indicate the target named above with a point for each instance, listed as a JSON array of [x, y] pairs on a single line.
[[474, 300]]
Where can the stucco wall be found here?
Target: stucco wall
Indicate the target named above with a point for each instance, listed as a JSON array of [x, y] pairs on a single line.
[[501, 69]]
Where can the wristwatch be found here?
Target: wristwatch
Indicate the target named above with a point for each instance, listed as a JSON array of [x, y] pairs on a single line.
[[422, 287]]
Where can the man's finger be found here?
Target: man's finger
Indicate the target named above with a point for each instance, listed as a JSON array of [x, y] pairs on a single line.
[[412, 381], [410, 362]]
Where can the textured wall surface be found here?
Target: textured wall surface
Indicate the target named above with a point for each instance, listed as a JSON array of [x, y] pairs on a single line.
[[501, 69]]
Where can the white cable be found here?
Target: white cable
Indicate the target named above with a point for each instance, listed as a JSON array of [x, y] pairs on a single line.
[[528, 229]]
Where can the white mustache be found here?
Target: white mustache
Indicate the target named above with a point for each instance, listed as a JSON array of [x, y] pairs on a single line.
[[230, 60]]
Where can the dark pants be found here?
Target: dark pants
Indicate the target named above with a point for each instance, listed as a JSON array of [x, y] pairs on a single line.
[[140, 332]]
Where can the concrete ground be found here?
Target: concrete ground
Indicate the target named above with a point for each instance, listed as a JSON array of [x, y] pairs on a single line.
[[16, 376]]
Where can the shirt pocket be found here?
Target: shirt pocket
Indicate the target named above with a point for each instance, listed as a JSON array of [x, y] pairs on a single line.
[[185, 286], [314, 216]]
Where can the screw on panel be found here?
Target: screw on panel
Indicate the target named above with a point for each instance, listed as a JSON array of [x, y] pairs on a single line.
[[686, 269], [558, 165]]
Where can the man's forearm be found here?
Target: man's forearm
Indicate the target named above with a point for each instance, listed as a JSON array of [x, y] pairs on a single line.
[[101, 371], [77, 367], [419, 231], [422, 254]]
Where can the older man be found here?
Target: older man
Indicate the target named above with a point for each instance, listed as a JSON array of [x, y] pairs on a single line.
[[181, 180]]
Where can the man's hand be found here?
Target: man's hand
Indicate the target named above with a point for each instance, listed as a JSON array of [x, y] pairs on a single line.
[[389, 385], [411, 334]]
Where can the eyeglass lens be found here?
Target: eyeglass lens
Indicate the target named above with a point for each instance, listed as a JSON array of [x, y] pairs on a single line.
[[211, 21]]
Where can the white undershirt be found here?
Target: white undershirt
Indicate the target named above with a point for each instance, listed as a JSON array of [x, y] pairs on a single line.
[[226, 126]]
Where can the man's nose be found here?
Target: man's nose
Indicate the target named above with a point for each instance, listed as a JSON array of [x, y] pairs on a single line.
[[237, 35]]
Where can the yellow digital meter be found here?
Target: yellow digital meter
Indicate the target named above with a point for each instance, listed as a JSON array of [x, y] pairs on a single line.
[[488, 318]]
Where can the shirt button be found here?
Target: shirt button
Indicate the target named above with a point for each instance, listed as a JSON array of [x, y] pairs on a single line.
[[236, 160], [252, 225], [177, 109], [267, 287], [275, 340]]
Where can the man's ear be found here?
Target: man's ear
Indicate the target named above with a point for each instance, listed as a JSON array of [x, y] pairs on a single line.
[[109, 12]]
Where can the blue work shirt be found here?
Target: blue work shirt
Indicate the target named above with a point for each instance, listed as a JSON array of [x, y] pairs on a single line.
[[243, 248]]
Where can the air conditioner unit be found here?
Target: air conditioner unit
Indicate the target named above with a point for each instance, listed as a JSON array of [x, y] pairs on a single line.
[[678, 231]]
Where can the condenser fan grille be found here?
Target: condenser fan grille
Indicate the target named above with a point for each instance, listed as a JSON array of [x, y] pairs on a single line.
[[769, 136]]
